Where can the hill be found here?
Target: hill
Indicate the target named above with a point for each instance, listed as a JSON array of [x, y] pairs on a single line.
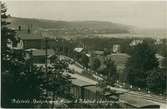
[[69, 27]]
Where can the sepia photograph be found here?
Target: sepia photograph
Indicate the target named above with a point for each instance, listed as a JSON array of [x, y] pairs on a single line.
[[84, 54]]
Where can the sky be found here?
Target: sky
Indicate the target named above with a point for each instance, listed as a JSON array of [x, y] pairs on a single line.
[[143, 14]]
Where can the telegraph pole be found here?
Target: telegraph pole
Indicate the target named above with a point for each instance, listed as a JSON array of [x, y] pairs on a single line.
[[46, 54], [46, 50]]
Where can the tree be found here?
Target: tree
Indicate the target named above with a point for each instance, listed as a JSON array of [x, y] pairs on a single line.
[[156, 81], [95, 63], [84, 60], [164, 50], [110, 71], [55, 82], [17, 81], [141, 61], [164, 63], [106, 51], [7, 78]]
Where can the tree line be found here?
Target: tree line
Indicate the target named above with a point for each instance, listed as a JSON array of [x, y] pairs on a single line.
[[21, 79], [143, 69]]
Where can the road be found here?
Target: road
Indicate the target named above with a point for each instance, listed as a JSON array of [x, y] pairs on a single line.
[[80, 77], [75, 68]]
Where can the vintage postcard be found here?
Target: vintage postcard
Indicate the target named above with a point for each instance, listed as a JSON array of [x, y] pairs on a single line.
[[83, 54]]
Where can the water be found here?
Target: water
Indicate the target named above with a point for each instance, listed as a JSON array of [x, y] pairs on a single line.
[[134, 35]]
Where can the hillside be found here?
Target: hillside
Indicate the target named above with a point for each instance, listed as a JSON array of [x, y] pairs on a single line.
[[70, 27]]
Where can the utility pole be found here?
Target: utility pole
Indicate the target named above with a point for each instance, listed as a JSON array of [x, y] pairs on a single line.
[[46, 50], [46, 54]]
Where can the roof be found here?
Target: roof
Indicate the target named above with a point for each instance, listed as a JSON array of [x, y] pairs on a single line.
[[41, 52], [94, 89], [137, 102], [99, 52], [83, 78], [78, 49], [30, 49], [80, 83], [159, 56], [118, 90], [135, 42], [29, 36], [88, 55]]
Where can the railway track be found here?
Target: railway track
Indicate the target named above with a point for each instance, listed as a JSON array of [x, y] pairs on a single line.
[[148, 97]]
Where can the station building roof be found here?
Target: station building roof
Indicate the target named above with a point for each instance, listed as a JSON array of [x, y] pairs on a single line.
[[135, 101], [80, 83]]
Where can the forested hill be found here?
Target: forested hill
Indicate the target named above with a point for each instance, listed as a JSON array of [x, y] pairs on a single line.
[[70, 27]]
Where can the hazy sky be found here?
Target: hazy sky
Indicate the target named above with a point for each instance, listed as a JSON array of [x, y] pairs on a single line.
[[141, 14]]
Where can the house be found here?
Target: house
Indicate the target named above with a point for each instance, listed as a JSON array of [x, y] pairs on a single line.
[[30, 37], [160, 60], [158, 41], [39, 55], [116, 48], [17, 44], [77, 89], [20, 44], [9, 44], [78, 50], [135, 42], [32, 41]]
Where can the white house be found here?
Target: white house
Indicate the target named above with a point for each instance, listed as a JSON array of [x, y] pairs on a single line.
[[116, 48]]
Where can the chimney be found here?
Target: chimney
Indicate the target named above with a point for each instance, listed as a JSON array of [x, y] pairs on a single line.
[[19, 28]]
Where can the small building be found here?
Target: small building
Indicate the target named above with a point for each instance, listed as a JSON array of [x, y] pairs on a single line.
[[78, 87], [116, 48], [33, 41], [135, 42], [9, 44], [160, 60], [38, 56], [158, 41], [93, 93], [20, 44], [78, 50]]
